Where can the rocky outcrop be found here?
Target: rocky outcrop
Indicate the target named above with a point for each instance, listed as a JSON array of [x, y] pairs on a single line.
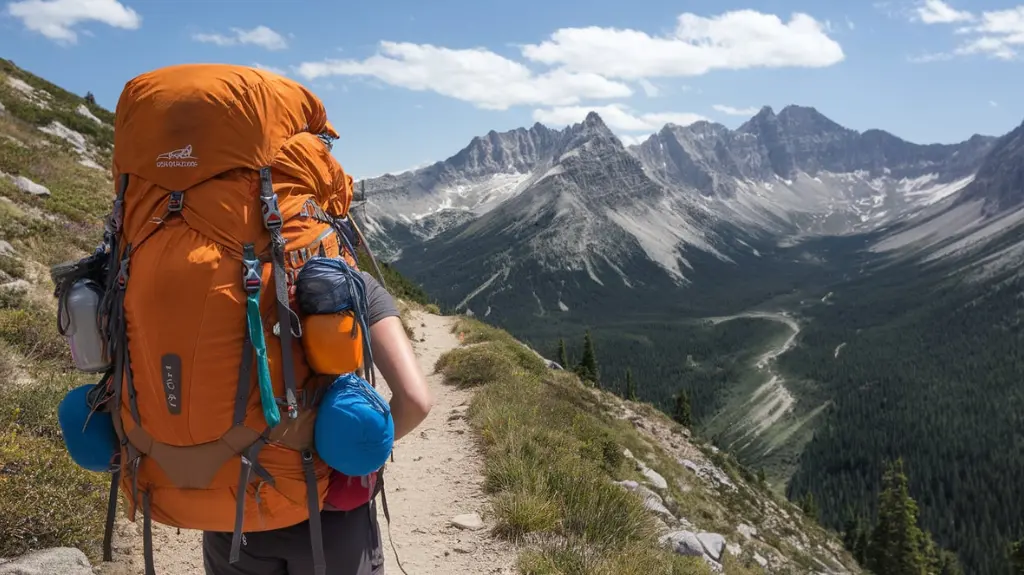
[[760, 531], [54, 561]]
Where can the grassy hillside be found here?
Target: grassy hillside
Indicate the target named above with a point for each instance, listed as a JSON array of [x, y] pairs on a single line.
[[45, 500], [554, 449]]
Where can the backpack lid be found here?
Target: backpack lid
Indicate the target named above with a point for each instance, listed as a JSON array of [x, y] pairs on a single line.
[[354, 431], [91, 441], [180, 125]]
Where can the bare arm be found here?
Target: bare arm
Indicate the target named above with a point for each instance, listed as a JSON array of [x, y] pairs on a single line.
[[411, 399]]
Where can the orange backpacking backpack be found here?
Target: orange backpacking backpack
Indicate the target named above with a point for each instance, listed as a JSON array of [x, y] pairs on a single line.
[[225, 186]]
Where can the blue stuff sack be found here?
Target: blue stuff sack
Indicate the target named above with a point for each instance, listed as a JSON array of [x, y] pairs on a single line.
[[354, 431], [90, 440]]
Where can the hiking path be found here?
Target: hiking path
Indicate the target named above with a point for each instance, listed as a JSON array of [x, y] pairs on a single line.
[[435, 477]]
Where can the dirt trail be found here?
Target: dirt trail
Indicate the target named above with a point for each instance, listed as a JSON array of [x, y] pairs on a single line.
[[436, 475]]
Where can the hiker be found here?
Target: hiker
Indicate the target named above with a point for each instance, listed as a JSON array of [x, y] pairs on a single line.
[[352, 540], [235, 334]]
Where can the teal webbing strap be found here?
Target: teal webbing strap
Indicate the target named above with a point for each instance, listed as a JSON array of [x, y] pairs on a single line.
[[254, 323]]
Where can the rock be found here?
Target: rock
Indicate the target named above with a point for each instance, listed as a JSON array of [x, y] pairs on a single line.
[[746, 531], [760, 560], [652, 501], [628, 454], [29, 187], [709, 473], [63, 560], [466, 547], [733, 549], [683, 543], [714, 544], [654, 478], [6, 249], [715, 565], [661, 526], [20, 286], [470, 521]]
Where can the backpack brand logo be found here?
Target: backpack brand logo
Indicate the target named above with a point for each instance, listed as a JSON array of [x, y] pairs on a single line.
[[171, 375], [182, 158]]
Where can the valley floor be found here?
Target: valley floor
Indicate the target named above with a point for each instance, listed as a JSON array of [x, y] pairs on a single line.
[[435, 477]]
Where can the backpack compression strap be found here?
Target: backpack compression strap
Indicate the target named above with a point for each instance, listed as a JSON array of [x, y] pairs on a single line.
[[273, 221]]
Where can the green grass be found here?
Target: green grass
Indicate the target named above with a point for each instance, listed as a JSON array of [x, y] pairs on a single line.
[[46, 500], [549, 463], [551, 451]]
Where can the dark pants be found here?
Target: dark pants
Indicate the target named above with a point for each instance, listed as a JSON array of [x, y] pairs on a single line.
[[352, 546]]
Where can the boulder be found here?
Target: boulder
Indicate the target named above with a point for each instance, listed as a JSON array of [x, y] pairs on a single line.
[[714, 544], [62, 560], [683, 543]]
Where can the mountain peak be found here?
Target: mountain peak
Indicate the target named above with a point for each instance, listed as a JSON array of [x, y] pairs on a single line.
[[593, 120]]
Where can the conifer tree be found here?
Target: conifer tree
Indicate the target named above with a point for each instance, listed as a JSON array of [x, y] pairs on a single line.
[[563, 358], [681, 413], [898, 546], [1017, 558], [587, 367], [809, 506], [630, 385]]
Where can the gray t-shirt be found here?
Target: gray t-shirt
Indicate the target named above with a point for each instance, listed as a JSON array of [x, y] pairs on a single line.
[[379, 302]]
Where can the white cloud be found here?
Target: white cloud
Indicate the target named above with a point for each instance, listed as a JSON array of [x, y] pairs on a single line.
[[594, 63], [475, 75], [618, 117], [273, 69], [628, 140], [930, 57], [998, 33], [938, 12], [56, 19], [729, 110], [259, 36], [993, 103], [649, 88], [730, 41]]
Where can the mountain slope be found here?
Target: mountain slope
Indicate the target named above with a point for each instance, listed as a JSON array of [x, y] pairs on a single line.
[[895, 262]]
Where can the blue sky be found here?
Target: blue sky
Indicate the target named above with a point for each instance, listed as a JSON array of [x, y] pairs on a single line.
[[410, 82]]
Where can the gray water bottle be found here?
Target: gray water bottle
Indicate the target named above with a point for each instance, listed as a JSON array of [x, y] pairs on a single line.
[[80, 314]]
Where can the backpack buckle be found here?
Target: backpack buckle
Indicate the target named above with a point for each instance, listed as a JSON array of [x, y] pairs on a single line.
[[175, 202], [250, 277], [272, 219]]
